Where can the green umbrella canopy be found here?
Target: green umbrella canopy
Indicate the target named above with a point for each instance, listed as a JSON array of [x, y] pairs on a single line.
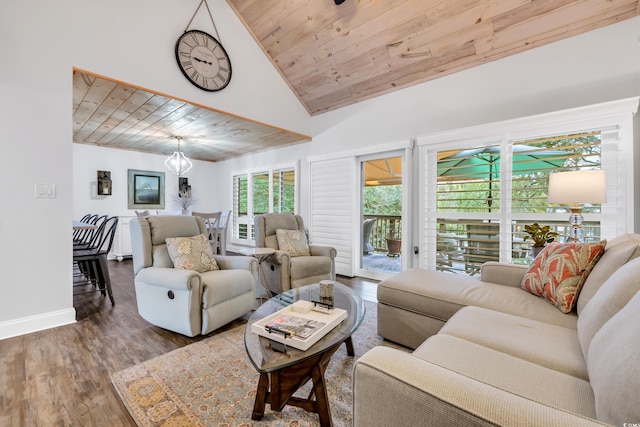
[[484, 163], [480, 163]]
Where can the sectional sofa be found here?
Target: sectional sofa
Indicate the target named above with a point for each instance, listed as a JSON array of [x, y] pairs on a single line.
[[488, 353]]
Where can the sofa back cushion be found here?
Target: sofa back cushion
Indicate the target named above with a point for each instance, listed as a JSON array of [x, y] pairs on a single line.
[[614, 366], [619, 250], [612, 296]]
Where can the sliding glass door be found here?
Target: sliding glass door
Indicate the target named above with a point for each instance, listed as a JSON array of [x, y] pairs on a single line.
[[381, 197]]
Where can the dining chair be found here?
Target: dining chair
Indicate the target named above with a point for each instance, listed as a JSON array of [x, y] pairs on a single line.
[[92, 262], [166, 213], [78, 232], [142, 213], [212, 225], [88, 235], [225, 216]]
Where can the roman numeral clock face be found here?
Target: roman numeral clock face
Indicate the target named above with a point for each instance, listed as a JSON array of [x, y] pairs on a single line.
[[203, 60]]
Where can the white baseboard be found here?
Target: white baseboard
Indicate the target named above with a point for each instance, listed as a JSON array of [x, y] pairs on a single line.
[[27, 325]]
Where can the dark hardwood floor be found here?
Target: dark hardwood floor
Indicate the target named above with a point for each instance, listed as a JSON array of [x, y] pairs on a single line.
[[61, 376]]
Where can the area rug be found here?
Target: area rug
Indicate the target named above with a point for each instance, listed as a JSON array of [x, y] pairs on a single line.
[[212, 383]]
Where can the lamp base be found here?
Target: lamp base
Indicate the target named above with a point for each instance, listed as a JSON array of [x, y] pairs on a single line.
[[576, 219]]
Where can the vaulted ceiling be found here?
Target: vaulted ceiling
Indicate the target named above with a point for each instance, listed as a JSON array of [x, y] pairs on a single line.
[[336, 55], [333, 56]]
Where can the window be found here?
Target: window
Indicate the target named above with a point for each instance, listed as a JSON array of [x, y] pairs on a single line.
[[469, 182], [260, 192], [480, 190]]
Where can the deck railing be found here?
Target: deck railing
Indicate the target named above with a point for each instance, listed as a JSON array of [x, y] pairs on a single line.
[[385, 225]]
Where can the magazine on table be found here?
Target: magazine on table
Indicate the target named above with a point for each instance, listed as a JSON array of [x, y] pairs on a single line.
[[298, 329], [294, 325]]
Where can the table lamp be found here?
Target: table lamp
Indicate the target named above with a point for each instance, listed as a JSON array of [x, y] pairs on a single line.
[[575, 188]]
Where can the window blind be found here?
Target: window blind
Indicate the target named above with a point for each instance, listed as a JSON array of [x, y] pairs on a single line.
[[260, 192], [473, 213], [332, 209]]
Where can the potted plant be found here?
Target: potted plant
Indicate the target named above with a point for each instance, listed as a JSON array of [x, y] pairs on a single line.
[[185, 200], [540, 235], [394, 242]]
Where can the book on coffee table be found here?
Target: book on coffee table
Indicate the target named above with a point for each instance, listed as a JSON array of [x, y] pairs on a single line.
[[298, 330]]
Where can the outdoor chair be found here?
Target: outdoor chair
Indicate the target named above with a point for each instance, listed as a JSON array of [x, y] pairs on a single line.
[[482, 245], [448, 251], [367, 229]]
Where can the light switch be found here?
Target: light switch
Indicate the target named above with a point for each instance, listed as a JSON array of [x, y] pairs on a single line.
[[45, 191]]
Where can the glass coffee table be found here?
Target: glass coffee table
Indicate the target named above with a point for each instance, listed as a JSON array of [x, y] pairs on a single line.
[[282, 374]]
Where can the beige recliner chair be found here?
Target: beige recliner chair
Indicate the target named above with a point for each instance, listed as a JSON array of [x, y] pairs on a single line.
[[186, 301], [283, 271]]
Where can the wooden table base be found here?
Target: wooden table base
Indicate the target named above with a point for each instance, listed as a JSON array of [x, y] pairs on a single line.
[[277, 388]]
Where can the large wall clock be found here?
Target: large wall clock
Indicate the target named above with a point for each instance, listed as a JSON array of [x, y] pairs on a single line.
[[203, 60]]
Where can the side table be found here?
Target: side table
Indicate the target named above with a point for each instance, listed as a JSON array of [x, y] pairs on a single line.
[[261, 254]]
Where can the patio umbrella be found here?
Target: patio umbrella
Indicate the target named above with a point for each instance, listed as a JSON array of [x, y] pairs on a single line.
[[478, 163]]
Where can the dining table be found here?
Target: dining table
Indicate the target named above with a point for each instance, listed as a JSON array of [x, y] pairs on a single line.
[[79, 225]]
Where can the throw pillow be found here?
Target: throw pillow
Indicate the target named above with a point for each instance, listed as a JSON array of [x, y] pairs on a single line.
[[293, 241], [558, 272], [191, 253]]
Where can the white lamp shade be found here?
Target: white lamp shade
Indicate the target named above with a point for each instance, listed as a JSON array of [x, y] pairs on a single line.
[[583, 186]]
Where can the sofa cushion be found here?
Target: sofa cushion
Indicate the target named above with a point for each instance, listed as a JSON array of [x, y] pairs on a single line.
[[509, 373], [191, 253], [439, 295], [614, 366], [559, 271], [551, 346], [619, 250], [611, 297], [293, 241]]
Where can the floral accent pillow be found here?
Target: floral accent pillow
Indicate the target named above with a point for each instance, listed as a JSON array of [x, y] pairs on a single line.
[[191, 253], [293, 241], [559, 271]]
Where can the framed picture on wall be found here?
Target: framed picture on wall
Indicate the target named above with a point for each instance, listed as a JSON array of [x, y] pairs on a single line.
[[146, 189], [184, 189]]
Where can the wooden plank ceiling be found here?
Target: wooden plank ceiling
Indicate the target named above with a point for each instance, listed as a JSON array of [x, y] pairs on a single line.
[[336, 55], [114, 114]]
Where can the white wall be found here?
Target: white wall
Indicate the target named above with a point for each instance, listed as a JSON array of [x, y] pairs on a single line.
[[132, 41], [87, 160]]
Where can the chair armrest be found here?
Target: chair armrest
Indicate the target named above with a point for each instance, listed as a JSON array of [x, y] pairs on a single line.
[[226, 262], [249, 263], [279, 258], [391, 387], [317, 250], [502, 273], [170, 278]]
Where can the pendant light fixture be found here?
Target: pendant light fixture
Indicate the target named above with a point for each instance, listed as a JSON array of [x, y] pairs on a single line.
[[178, 163]]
